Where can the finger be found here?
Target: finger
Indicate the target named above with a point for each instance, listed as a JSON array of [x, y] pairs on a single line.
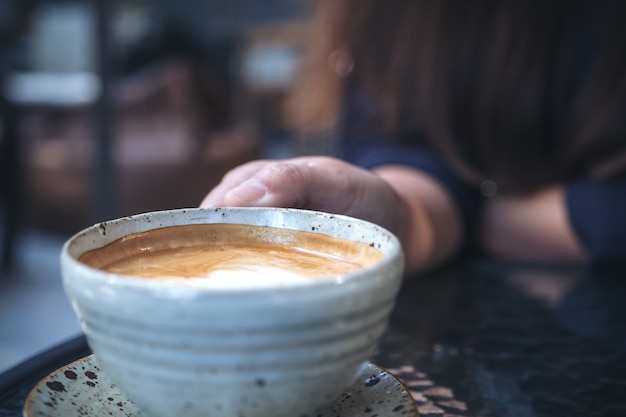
[[277, 184], [310, 183], [232, 179]]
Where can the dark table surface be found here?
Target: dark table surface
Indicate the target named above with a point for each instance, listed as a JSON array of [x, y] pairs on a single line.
[[479, 339]]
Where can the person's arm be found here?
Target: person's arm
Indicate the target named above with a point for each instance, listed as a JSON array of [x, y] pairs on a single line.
[[581, 221], [532, 227], [431, 231], [444, 207], [411, 204]]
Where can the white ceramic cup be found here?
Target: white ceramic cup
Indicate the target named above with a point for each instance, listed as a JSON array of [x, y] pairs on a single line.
[[273, 351]]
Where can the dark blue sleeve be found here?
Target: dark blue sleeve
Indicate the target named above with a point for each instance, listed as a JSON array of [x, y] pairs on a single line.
[[597, 212], [363, 143]]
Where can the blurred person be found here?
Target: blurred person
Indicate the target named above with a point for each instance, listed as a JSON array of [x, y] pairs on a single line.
[[465, 127]]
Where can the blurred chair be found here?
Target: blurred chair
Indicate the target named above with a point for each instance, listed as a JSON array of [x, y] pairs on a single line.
[[14, 20]]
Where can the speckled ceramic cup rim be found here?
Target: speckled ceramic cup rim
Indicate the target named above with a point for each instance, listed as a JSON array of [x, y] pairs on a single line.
[[79, 244]]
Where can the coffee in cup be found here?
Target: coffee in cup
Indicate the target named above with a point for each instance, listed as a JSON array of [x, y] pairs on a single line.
[[232, 255]]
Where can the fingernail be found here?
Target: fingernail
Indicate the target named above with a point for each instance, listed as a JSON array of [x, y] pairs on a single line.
[[248, 192]]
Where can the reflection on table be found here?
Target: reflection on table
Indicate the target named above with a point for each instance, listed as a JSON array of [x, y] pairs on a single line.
[[503, 340]]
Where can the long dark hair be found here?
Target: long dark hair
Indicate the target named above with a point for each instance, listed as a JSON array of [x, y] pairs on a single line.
[[524, 92]]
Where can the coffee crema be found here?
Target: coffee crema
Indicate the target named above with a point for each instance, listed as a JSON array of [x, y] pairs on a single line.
[[232, 255]]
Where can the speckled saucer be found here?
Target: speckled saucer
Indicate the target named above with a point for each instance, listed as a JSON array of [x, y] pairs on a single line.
[[82, 389]]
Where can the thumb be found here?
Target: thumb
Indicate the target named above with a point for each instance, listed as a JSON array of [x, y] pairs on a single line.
[[278, 184], [248, 193]]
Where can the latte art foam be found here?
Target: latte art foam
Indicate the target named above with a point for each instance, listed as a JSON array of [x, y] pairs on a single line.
[[232, 256], [250, 278]]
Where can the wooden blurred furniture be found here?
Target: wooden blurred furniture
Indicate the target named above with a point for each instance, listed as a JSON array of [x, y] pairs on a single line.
[[13, 100]]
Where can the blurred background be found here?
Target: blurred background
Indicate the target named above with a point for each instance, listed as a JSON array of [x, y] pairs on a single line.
[[114, 107]]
